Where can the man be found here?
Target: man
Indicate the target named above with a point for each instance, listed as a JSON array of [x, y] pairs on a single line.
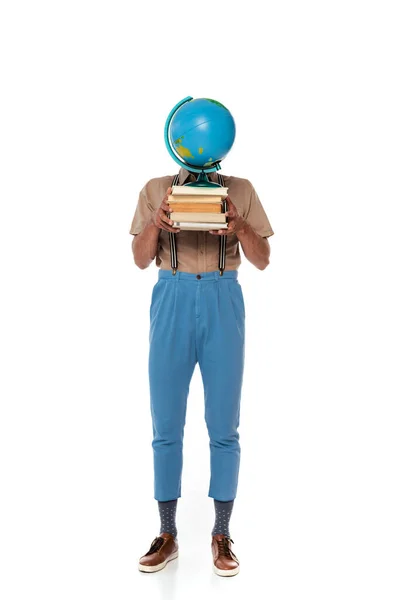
[[197, 315]]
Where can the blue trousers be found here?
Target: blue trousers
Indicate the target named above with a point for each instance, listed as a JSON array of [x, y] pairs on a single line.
[[196, 318]]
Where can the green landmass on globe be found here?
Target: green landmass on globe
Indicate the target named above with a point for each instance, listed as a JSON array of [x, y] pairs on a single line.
[[217, 103]]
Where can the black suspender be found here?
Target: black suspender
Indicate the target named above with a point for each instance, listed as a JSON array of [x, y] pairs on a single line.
[[222, 238], [172, 238]]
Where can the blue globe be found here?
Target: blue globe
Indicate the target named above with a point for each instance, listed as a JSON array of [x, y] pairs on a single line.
[[202, 132]]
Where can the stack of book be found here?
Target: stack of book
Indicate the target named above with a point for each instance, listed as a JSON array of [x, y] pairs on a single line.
[[197, 208]]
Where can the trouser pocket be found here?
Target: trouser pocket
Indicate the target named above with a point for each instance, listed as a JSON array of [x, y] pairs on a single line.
[[157, 297], [237, 301]]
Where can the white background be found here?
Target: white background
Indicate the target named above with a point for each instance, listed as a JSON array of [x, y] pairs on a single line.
[[314, 89]]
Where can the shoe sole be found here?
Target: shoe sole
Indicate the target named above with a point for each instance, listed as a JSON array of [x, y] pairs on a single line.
[[153, 568], [226, 572]]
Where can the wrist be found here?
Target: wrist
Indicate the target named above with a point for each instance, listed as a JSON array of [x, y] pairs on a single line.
[[153, 227]]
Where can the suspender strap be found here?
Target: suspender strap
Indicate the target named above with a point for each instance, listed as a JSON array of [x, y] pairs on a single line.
[[172, 239], [222, 238]]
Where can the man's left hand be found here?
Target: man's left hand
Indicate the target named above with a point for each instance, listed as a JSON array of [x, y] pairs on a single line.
[[235, 221]]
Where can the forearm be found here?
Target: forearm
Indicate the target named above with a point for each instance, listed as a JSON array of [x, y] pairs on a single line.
[[144, 245], [256, 248]]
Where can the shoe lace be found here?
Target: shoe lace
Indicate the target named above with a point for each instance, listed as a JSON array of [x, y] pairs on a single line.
[[223, 547], [156, 544]]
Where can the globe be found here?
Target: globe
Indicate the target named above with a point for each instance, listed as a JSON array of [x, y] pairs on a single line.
[[199, 133]]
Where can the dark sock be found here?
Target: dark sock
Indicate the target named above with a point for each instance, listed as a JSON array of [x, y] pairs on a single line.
[[223, 511], [167, 512]]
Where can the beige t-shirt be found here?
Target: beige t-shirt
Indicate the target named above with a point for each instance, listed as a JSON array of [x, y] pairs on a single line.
[[197, 251]]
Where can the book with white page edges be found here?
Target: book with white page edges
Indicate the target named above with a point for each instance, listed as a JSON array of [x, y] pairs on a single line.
[[197, 208], [186, 226], [187, 190]]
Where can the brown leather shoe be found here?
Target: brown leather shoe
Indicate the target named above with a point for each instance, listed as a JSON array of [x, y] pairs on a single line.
[[225, 562], [163, 549]]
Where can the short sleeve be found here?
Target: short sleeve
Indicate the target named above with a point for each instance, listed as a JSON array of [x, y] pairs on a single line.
[[256, 215], [142, 214]]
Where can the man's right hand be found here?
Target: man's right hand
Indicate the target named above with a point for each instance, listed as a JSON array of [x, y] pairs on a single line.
[[159, 217]]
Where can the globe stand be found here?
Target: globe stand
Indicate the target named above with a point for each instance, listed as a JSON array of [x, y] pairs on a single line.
[[202, 181]]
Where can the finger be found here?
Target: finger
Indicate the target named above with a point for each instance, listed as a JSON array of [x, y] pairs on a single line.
[[168, 228], [167, 193], [165, 219], [167, 225], [164, 225], [218, 231]]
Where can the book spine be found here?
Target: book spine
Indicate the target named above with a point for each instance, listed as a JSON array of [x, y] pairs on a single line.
[[199, 226], [196, 208], [205, 217], [199, 191], [195, 199]]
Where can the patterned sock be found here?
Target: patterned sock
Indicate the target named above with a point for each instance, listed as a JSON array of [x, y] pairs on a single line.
[[223, 511], [167, 512]]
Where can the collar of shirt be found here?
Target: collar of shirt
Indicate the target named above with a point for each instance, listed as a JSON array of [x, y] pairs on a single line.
[[185, 175]]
